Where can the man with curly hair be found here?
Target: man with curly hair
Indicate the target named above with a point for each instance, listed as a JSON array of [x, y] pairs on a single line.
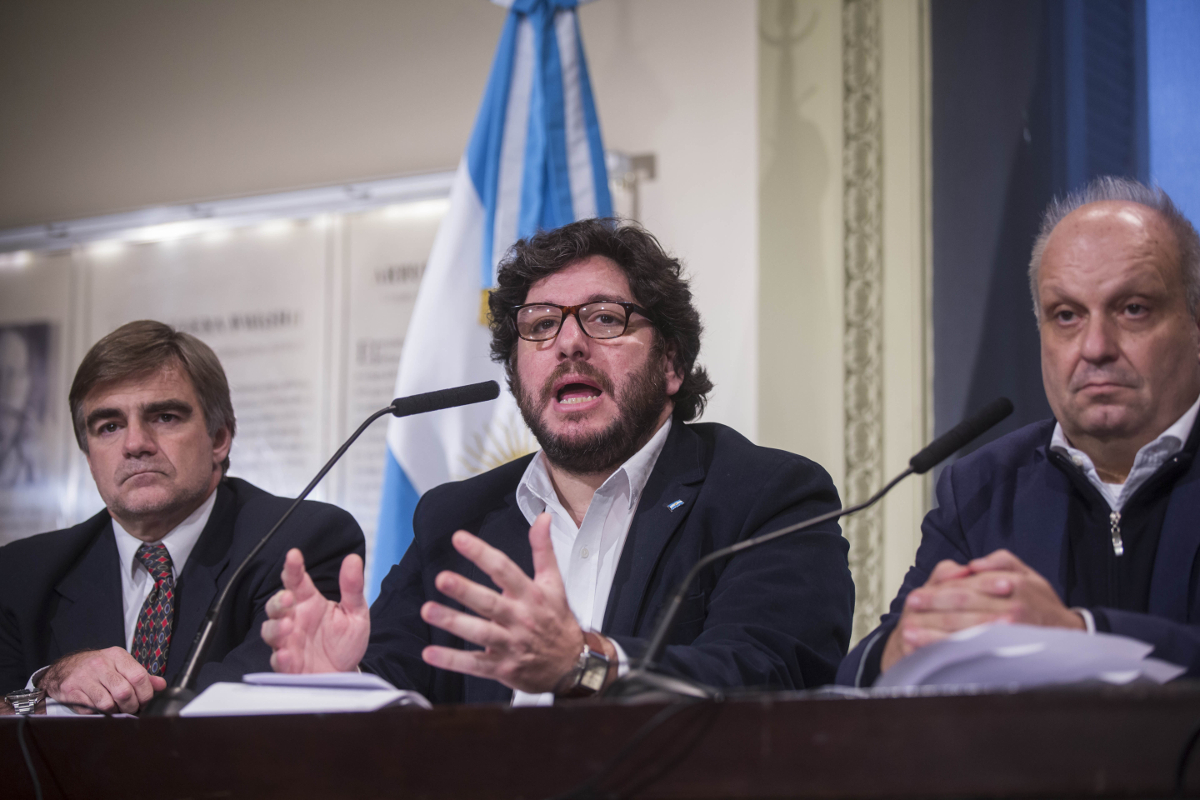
[[544, 577]]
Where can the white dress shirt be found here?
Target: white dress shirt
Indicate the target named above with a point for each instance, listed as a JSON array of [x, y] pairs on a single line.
[[588, 554], [1145, 463]]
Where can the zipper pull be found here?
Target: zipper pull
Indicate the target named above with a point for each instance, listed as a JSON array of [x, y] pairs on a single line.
[[1115, 521]]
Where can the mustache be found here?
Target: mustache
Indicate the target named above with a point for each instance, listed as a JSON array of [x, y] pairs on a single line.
[[582, 368]]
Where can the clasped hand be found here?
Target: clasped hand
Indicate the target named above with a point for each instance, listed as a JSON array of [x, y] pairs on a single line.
[[996, 588], [529, 636]]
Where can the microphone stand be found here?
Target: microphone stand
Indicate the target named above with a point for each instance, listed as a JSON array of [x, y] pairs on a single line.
[[646, 684], [170, 701]]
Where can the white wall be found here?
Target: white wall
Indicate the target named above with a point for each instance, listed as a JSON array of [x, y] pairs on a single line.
[[113, 105]]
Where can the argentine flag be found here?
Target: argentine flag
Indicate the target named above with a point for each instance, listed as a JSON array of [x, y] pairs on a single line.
[[535, 161]]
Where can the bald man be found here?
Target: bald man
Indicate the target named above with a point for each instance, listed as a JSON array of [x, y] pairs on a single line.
[[1087, 520]]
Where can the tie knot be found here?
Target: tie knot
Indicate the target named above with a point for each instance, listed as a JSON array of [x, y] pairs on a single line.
[[157, 560]]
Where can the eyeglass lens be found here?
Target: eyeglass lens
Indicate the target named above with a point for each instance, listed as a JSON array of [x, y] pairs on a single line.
[[598, 320]]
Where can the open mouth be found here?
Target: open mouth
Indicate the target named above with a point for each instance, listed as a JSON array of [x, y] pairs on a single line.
[[576, 391]]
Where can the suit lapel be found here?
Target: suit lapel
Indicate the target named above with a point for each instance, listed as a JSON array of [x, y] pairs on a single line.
[[1170, 582], [91, 615], [1040, 519], [665, 503], [197, 585]]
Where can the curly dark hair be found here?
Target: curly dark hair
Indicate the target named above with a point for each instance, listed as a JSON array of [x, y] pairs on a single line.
[[655, 278]]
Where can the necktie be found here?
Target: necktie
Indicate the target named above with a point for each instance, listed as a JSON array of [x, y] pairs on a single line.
[[152, 636]]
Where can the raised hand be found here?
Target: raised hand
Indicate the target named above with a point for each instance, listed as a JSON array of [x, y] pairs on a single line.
[[310, 633], [529, 635], [110, 680]]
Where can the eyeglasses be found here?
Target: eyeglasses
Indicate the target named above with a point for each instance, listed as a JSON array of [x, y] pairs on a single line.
[[541, 322]]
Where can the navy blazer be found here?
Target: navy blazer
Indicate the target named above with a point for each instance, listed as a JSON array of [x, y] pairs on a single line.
[[60, 592], [1008, 495], [773, 617]]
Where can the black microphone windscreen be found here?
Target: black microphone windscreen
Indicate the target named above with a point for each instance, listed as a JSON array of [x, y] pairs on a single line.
[[961, 434], [445, 398]]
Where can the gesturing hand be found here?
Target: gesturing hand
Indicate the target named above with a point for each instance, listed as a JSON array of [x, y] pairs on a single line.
[[310, 633], [996, 588], [110, 680], [529, 635]]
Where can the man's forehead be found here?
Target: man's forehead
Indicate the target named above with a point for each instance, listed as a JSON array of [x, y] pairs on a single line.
[[168, 382], [580, 281]]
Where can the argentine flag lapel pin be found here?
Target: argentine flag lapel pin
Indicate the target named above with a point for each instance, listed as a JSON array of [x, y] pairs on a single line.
[[675, 505]]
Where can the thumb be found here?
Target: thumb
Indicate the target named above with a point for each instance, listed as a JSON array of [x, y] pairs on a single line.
[[158, 683], [544, 561], [350, 581]]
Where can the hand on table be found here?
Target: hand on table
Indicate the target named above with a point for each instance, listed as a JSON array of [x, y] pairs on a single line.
[[996, 588], [310, 633], [110, 680], [529, 635]]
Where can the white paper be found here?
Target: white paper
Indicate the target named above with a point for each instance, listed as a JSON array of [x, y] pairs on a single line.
[[272, 693], [1026, 656]]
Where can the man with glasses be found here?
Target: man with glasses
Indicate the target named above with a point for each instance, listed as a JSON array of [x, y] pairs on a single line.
[[562, 560]]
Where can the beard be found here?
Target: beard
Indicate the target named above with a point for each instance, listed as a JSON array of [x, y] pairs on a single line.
[[639, 405]]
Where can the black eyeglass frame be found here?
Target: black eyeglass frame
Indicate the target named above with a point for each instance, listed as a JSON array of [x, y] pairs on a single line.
[[574, 311]]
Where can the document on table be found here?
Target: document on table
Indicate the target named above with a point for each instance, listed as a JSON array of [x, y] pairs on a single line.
[[1027, 656], [275, 693]]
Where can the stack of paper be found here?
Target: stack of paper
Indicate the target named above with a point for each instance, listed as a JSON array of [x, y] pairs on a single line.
[[275, 693], [1026, 656]]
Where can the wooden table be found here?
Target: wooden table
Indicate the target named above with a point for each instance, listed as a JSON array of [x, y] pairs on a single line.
[[1067, 743]]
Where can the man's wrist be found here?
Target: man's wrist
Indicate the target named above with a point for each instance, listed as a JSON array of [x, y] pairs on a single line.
[[603, 645]]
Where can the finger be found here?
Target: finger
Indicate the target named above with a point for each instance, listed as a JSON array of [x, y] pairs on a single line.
[[916, 638], [480, 599], [281, 604], [545, 564], [158, 683], [499, 567], [999, 561], [468, 662], [350, 581], [996, 584], [947, 570], [137, 677], [465, 626], [94, 694], [121, 691], [955, 597], [276, 631], [295, 577]]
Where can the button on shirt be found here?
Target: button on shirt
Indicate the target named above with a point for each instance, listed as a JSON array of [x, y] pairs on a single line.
[[588, 554], [136, 581], [1147, 461]]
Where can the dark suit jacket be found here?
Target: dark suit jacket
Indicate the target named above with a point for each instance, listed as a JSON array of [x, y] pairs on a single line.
[[1008, 495], [777, 616], [60, 592]]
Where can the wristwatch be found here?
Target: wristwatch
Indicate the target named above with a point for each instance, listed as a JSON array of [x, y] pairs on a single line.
[[586, 677], [24, 701]]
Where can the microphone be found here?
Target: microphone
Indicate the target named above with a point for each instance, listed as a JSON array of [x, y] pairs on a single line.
[[170, 701], [643, 678]]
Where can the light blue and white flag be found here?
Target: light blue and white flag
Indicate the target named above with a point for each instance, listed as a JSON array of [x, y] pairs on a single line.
[[535, 161]]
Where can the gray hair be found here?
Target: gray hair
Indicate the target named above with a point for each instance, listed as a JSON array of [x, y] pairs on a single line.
[[1109, 187]]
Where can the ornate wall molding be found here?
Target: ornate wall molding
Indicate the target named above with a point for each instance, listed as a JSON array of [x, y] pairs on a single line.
[[862, 342]]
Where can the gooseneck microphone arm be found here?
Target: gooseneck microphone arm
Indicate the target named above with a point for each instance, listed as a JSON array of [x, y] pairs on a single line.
[[942, 447], [170, 701]]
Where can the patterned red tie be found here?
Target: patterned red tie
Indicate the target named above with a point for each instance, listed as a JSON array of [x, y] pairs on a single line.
[[152, 636]]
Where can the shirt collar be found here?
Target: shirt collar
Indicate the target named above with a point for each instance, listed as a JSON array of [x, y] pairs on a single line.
[[536, 490], [179, 541], [1165, 445]]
